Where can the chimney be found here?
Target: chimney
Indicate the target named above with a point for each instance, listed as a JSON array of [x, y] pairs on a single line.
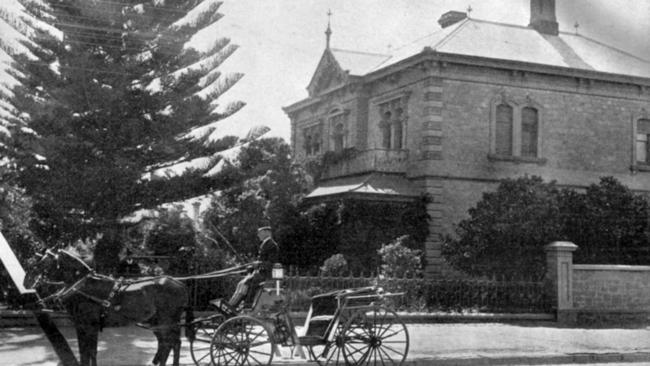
[[451, 17], [542, 16]]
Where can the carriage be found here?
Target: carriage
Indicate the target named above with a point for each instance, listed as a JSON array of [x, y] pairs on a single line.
[[352, 326]]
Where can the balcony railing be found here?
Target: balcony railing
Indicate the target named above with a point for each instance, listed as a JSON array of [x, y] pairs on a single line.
[[374, 160]]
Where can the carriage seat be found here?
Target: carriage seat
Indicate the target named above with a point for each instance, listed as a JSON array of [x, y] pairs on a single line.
[[266, 300], [224, 307]]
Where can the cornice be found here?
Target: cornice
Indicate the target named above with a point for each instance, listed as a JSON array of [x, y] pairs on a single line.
[[301, 104], [430, 59]]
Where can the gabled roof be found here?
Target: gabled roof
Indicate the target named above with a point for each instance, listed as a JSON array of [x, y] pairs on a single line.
[[479, 38], [358, 63], [328, 74]]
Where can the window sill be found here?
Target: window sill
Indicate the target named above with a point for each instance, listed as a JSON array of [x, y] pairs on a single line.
[[519, 159], [641, 167]]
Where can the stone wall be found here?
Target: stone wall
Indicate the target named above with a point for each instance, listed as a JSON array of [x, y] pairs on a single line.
[[611, 287], [589, 294]]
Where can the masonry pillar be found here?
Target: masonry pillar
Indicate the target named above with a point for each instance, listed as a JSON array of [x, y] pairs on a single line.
[[559, 279], [433, 242]]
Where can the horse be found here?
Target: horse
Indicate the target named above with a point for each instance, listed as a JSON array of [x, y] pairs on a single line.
[[93, 300]]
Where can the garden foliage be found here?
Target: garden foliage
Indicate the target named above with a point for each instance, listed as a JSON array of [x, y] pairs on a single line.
[[507, 230], [399, 260], [334, 266]]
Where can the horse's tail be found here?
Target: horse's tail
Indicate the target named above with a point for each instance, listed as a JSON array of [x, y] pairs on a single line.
[[190, 333]]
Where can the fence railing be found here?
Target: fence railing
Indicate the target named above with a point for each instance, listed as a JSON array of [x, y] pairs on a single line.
[[421, 295]]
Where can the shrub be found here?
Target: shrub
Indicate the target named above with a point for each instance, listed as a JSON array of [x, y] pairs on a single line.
[[608, 223], [334, 266], [398, 260], [507, 230]]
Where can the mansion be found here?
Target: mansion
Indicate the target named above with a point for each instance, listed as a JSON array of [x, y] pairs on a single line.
[[478, 101]]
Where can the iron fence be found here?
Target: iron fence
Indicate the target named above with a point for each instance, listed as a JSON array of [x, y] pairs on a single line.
[[420, 295]]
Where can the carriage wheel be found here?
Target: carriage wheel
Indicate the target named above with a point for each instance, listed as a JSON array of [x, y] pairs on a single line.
[[331, 352], [200, 345], [375, 337], [242, 340]]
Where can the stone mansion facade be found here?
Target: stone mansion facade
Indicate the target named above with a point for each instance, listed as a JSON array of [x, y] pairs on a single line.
[[478, 101]]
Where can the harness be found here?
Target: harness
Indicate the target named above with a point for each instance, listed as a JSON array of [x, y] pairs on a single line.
[[75, 288], [120, 284]]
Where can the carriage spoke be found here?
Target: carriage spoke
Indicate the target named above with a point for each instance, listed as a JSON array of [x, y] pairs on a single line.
[[201, 359], [358, 350], [255, 359], [393, 334], [387, 356], [337, 353]]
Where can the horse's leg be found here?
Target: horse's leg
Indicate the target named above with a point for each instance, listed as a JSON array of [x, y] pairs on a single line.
[[86, 317], [87, 335], [156, 358], [176, 346], [164, 346], [84, 359], [92, 349]]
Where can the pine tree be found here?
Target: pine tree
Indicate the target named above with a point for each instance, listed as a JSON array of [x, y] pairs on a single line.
[[119, 110]]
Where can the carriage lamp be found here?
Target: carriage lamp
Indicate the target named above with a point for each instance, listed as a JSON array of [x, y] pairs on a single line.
[[277, 273]]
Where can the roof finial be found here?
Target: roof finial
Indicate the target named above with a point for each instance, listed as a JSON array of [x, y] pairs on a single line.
[[576, 26], [469, 10], [328, 32]]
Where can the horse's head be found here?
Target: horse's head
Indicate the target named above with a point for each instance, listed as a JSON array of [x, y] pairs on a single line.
[[56, 266], [47, 261]]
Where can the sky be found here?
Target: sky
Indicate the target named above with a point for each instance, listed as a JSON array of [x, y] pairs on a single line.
[[281, 41]]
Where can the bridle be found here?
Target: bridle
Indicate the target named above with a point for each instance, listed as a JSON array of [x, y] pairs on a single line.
[[75, 288]]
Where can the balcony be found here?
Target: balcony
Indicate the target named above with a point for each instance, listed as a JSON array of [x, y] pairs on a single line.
[[367, 161]]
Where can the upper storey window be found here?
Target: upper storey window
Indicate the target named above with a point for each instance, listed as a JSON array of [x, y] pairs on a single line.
[[503, 133], [515, 130], [642, 133], [529, 132], [339, 130], [312, 137], [392, 124]]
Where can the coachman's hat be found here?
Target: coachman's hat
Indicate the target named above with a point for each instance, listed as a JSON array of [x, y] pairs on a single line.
[[263, 228]]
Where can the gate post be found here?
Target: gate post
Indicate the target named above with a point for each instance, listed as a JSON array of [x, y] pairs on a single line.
[[559, 279]]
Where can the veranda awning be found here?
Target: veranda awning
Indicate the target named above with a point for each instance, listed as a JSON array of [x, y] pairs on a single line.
[[391, 187]]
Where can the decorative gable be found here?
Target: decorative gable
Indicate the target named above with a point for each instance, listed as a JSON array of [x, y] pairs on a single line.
[[328, 75]]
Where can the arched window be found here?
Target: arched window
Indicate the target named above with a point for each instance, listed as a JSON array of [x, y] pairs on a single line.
[[516, 130], [398, 129], [337, 129], [308, 144], [384, 125], [529, 131], [642, 133], [338, 136], [312, 139], [503, 133], [316, 143]]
